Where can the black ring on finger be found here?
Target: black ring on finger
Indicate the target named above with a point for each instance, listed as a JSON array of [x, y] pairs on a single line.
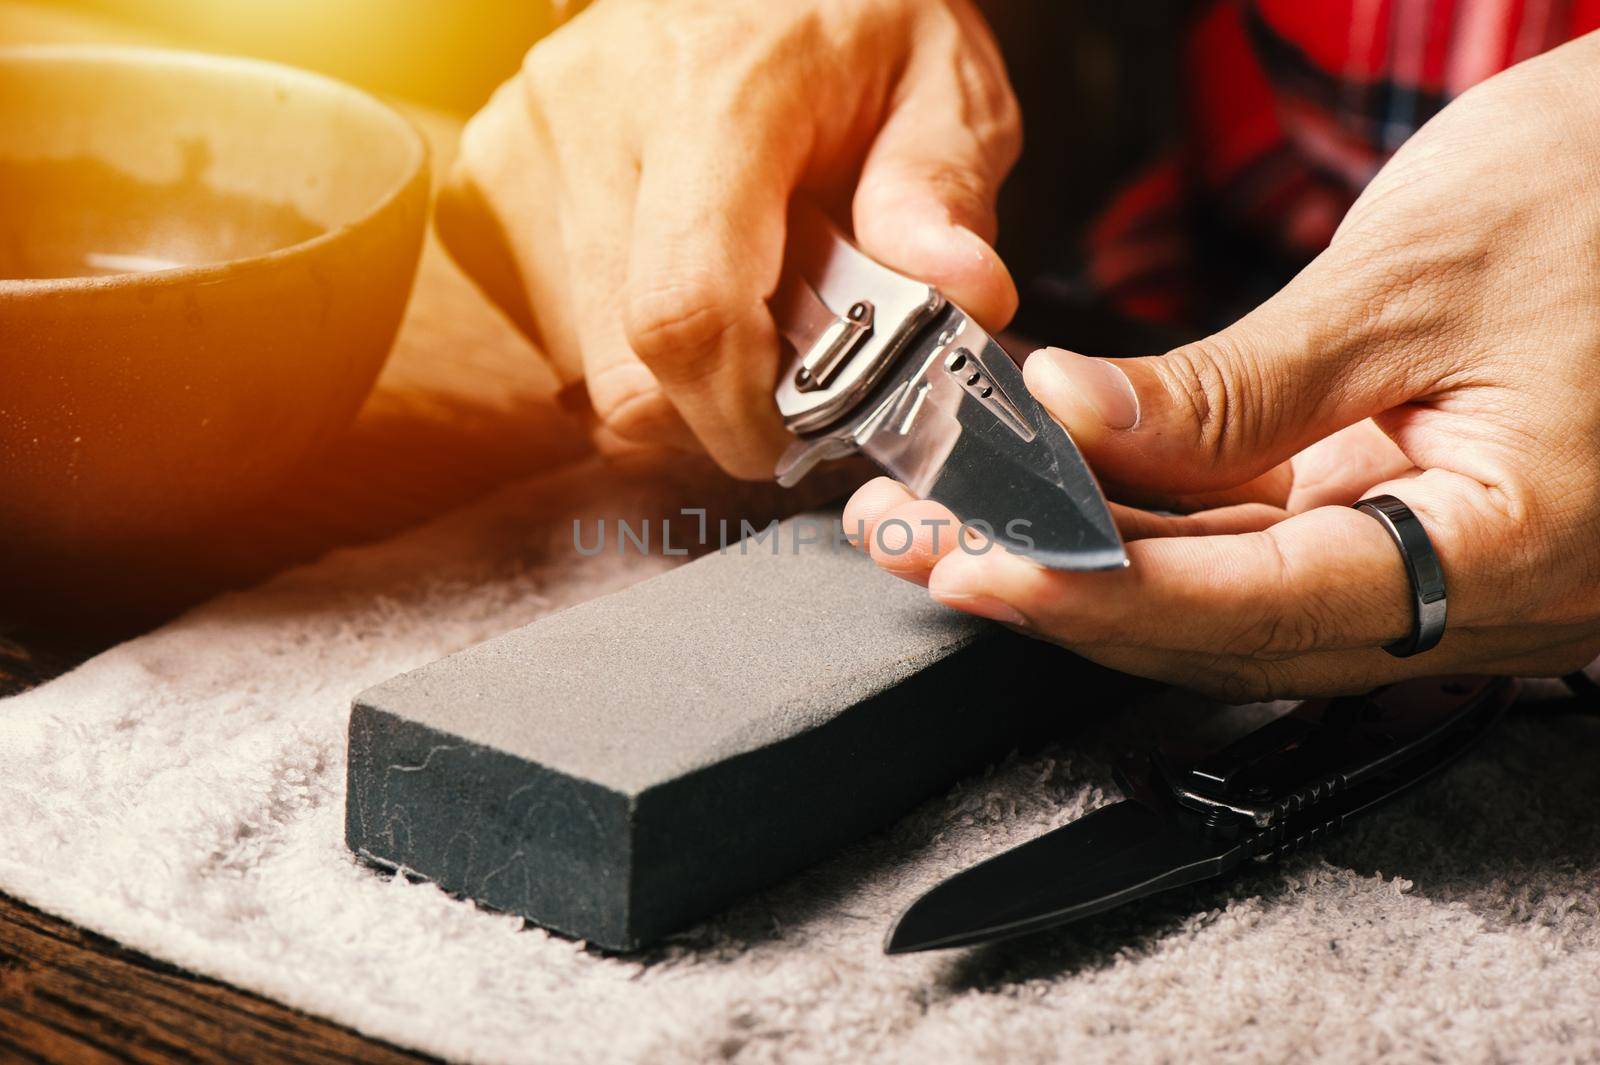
[[1422, 568]]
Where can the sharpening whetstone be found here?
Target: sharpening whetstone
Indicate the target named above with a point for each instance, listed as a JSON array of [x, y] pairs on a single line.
[[627, 766]]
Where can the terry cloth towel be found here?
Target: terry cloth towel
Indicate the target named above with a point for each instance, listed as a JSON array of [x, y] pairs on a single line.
[[183, 794]]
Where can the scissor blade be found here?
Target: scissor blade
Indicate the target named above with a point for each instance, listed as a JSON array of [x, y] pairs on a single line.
[[996, 458], [1113, 855]]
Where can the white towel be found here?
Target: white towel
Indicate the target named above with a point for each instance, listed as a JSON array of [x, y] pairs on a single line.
[[183, 793]]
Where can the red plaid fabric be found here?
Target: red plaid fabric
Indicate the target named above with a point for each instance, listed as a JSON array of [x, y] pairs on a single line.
[[1292, 106]]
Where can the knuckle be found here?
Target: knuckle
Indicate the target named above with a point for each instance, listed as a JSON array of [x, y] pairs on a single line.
[[492, 135], [675, 326], [993, 112], [472, 146], [1281, 635], [1002, 132], [1219, 394], [553, 68], [1281, 624], [628, 403], [1246, 682], [636, 418]]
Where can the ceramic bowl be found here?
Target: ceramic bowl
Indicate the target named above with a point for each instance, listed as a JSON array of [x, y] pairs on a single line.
[[203, 262]]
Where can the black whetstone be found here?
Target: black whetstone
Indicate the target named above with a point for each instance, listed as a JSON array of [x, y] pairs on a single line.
[[620, 769]]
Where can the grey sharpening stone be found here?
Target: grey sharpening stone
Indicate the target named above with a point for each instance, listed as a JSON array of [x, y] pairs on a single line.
[[627, 766]]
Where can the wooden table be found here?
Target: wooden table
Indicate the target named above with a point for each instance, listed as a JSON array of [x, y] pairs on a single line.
[[67, 995]]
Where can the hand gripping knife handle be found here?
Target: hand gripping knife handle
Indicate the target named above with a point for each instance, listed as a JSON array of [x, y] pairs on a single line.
[[846, 318], [884, 365]]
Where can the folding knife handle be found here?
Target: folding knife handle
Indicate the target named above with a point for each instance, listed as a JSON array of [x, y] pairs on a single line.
[[844, 318], [1377, 743], [1310, 824]]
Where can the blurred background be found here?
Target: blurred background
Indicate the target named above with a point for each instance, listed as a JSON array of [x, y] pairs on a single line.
[[447, 53], [1097, 80], [1098, 84]]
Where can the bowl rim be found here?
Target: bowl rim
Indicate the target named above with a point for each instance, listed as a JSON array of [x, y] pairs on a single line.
[[414, 167]]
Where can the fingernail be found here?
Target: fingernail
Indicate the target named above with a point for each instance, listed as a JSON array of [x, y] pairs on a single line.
[[974, 246], [1065, 378], [984, 606]]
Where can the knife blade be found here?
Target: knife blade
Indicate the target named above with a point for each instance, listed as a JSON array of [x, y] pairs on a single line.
[[884, 366], [1109, 856], [1267, 795]]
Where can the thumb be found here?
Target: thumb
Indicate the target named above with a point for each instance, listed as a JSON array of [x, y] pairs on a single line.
[[1218, 412], [925, 201]]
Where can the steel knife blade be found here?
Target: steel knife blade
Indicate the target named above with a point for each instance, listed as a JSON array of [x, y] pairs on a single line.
[[883, 365], [1264, 796]]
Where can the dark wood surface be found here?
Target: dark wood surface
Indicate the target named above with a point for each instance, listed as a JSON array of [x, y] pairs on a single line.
[[67, 995]]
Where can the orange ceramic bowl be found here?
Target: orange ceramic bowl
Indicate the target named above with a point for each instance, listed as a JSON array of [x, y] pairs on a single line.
[[203, 262]]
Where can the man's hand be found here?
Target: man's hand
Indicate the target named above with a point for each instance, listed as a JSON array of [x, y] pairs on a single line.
[[624, 196], [1444, 349]]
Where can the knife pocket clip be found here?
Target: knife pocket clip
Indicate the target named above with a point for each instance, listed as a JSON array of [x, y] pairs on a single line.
[[835, 344]]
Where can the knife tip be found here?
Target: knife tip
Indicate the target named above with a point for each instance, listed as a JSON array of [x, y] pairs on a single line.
[[912, 933], [903, 937]]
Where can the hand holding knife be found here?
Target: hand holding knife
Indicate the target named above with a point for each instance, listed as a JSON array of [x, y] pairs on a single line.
[[885, 366]]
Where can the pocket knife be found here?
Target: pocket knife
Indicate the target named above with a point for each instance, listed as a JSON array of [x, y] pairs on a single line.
[[885, 366], [1276, 790]]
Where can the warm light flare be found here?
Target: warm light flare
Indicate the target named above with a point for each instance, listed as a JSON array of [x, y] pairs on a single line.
[[447, 52]]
